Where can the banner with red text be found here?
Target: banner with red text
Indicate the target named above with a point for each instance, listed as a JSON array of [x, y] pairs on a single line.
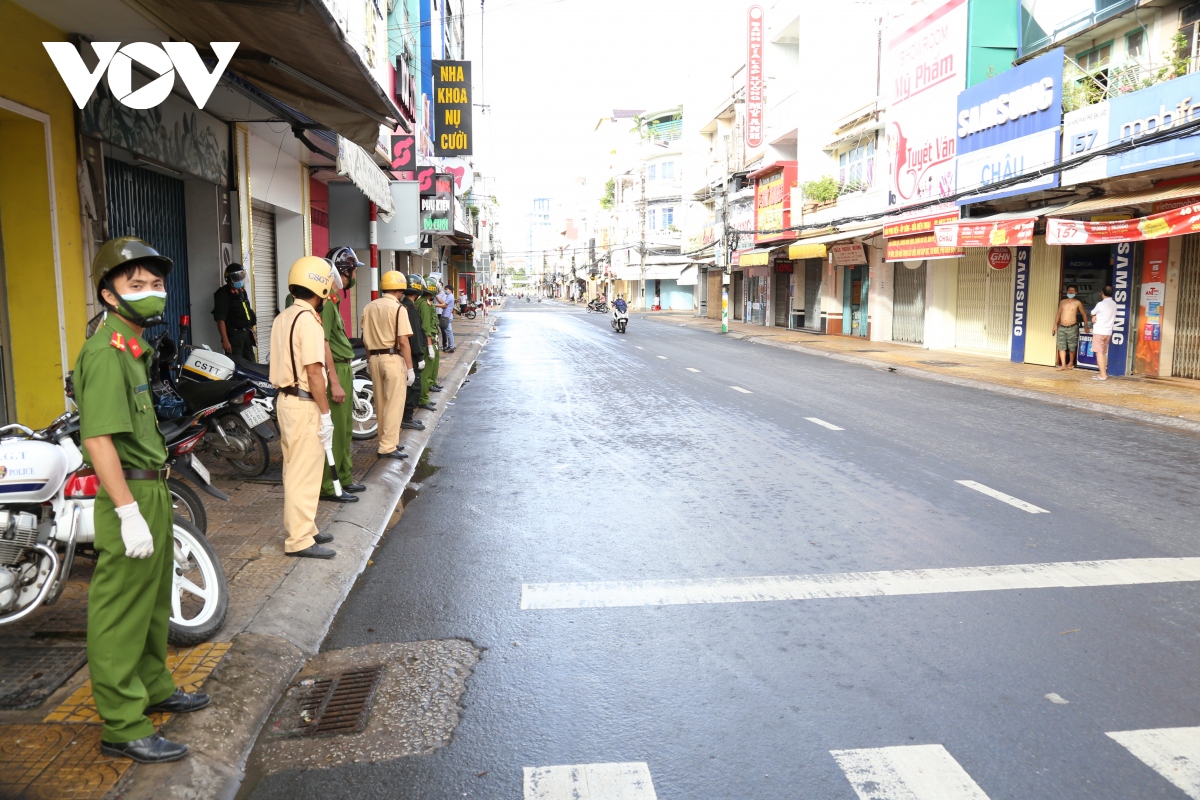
[[1003, 233], [1175, 222]]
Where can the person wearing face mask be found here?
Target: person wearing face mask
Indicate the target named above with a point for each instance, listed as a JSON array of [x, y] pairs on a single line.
[[129, 598], [1066, 329], [235, 315], [302, 407]]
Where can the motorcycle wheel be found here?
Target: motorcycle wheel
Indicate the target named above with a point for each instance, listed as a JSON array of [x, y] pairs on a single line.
[[188, 504], [469, 313], [365, 423], [200, 595], [258, 456]]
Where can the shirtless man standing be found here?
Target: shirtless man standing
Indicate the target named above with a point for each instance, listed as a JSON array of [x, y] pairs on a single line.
[[1066, 329]]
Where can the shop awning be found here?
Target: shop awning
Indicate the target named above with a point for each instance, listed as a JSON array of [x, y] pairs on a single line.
[[689, 277], [759, 257], [1130, 199], [814, 246], [1010, 229], [295, 51], [360, 168]]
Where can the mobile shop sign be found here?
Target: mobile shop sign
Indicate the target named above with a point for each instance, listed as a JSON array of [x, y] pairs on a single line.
[[436, 207], [1174, 222], [754, 77], [1002, 233], [165, 61], [1128, 118], [1008, 127], [1122, 259], [927, 69], [1020, 305], [452, 108]]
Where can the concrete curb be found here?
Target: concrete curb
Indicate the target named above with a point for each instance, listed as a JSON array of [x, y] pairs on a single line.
[[282, 636], [1147, 417]]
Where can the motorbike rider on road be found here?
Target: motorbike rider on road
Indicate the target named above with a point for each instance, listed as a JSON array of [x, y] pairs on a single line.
[[620, 305], [129, 599]]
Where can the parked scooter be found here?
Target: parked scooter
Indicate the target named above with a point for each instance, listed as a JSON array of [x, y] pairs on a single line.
[[620, 319], [599, 306], [46, 521]]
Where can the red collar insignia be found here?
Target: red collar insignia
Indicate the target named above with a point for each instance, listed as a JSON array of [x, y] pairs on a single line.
[[135, 348]]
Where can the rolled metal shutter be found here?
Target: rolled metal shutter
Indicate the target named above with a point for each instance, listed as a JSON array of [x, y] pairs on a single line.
[[983, 319], [1185, 363], [714, 293], [908, 304], [262, 260], [149, 205], [782, 306], [812, 294]]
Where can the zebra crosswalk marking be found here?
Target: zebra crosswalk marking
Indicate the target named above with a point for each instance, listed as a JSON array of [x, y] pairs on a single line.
[[1173, 753], [912, 772], [624, 781]]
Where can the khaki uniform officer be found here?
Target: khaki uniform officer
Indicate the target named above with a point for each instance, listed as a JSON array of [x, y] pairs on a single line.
[[129, 599], [386, 329], [305, 425]]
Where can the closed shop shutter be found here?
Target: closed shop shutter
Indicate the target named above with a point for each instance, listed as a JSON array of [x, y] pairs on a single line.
[[782, 284], [714, 294], [149, 205], [1186, 360], [812, 294], [908, 303], [1045, 288], [263, 264], [983, 318]]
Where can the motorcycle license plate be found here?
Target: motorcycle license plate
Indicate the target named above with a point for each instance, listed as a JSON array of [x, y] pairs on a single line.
[[252, 415], [200, 469]]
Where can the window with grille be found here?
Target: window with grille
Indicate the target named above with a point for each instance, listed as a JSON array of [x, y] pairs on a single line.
[[1189, 29], [1135, 44], [856, 167], [652, 172]]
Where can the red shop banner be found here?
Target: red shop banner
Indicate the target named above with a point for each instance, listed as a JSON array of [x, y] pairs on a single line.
[[1175, 222], [918, 248], [911, 226], [1004, 233]]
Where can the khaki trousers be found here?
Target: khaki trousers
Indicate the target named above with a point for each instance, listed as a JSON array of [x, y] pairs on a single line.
[[303, 467], [389, 375]]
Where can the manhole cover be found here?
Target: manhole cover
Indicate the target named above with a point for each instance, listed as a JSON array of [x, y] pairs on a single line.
[[28, 675], [942, 363], [328, 705]]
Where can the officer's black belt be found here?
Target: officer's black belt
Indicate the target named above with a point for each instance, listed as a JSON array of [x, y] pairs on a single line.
[[145, 474], [296, 391], [390, 351], [342, 360]]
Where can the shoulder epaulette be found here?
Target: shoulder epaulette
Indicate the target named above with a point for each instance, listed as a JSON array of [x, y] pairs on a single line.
[[117, 341]]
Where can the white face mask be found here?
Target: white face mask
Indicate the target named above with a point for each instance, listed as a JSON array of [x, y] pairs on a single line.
[[130, 298]]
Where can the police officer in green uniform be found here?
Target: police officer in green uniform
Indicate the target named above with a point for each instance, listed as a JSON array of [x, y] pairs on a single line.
[[235, 315], [129, 600], [420, 353], [341, 352], [429, 325]]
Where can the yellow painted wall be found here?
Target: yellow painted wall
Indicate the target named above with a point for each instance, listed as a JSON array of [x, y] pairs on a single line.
[[1045, 284], [28, 77]]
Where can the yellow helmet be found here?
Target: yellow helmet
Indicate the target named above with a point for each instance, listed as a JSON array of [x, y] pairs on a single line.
[[314, 274], [392, 281]]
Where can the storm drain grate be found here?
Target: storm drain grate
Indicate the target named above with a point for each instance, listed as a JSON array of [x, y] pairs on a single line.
[[330, 705], [942, 363], [28, 675]]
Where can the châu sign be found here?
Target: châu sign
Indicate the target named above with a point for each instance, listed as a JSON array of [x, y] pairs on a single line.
[[452, 108]]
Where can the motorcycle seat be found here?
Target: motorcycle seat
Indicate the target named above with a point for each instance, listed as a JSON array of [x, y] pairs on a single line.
[[202, 394], [262, 370]]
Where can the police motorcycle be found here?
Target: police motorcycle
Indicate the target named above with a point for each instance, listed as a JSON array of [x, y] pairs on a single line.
[[365, 425], [620, 319], [46, 521]]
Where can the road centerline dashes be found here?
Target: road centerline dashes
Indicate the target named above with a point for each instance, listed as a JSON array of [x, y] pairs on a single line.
[[692, 369], [824, 424], [892, 583], [1004, 498], [740, 389], [664, 358]]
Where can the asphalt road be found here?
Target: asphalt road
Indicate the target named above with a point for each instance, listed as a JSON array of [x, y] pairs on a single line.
[[577, 456]]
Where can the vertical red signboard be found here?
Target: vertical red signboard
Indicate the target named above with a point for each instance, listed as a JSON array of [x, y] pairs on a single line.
[[754, 77], [1154, 276]]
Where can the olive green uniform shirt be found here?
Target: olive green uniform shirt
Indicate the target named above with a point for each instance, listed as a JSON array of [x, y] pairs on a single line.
[[334, 327], [112, 391]]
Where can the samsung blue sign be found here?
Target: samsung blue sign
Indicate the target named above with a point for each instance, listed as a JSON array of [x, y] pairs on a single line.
[[1020, 305], [1008, 126]]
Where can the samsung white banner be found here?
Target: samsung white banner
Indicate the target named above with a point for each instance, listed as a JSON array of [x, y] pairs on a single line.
[[1010, 159]]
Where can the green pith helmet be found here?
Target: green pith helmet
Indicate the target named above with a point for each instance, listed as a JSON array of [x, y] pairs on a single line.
[[416, 283], [121, 251], [431, 286]]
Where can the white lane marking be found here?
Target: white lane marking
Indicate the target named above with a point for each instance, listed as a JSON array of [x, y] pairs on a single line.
[[1004, 498], [630, 781], [1173, 753], [824, 424], [740, 389], [1057, 699], [639, 347], [914, 772], [664, 358], [945, 580], [692, 369]]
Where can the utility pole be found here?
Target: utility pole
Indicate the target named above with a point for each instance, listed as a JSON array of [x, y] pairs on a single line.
[[642, 249]]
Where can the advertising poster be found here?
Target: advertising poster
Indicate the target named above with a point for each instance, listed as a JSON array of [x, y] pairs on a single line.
[[1020, 305], [1148, 346], [1002, 233], [452, 108], [1118, 349], [1174, 222], [925, 69]]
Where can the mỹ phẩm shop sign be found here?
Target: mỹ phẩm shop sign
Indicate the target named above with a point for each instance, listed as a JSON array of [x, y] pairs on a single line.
[[1008, 126], [117, 61]]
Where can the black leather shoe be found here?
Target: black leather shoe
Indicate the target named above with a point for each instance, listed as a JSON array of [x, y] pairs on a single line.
[[344, 497], [438, 386], [434, 389], [355, 487], [428, 406], [394, 454], [149, 750], [412, 425], [315, 551], [323, 538], [180, 702]]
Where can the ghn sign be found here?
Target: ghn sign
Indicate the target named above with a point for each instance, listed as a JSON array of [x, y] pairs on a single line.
[[165, 61], [452, 108]]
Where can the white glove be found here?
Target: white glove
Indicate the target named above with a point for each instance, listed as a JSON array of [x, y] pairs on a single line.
[[432, 352], [325, 431], [421, 364], [135, 533], [412, 377]]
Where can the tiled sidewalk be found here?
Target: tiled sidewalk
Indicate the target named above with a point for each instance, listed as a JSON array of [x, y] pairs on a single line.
[[1168, 397], [53, 751]]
